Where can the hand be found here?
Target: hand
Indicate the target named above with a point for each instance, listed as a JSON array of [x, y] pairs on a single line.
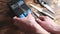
[[48, 24], [29, 25]]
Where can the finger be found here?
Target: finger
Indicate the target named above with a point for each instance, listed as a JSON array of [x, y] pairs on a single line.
[[42, 18], [38, 20], [16, 19]]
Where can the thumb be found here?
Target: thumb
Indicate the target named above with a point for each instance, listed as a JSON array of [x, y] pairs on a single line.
[[16, 19]]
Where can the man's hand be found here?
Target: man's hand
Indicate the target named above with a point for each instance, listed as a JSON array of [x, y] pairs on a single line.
[[48, 24], [29, 25]]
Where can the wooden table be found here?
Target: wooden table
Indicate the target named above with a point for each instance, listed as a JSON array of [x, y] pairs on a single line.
[[54, 4]]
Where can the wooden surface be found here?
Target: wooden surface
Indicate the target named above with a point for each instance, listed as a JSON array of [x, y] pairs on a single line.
[[54, 4]]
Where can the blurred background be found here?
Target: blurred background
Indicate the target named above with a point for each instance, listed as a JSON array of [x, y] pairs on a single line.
[[6, 22]]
